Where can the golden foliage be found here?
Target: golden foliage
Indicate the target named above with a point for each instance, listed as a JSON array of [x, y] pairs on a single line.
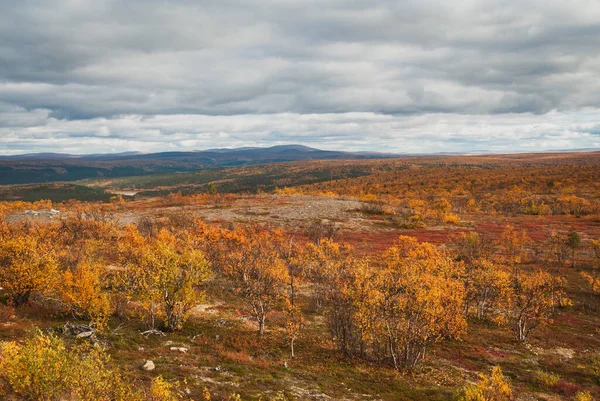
[[420, 298], [583, 396], [488, 287], [489, 388], [27, 265], [535, 296], [163, 272], [81, 290], [42, 368], [255, 265], [161, 390], [513, 244], [546, 378]]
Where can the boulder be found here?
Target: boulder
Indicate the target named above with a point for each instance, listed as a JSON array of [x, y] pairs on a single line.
[[149, 365]]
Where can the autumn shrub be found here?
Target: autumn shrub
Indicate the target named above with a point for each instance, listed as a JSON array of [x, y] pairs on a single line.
[[489, 388], [534, 299], [558, 247], [43, 368], [81, 293], [440, 209], [583, 396], [163, 273], [393, 313], [419, 298], [181, 222], [27, 266], [487, 289], [411, 216], [408, 219], [37, 370], [91, 378], [513, 244], [259, 273], [418, 206], [149, 227], [547, 379], [471, 206], [451, 218], [162, 390], [531, 207], [175, 199], [288, 191], [471, 246], [575, 205], [206, 394]]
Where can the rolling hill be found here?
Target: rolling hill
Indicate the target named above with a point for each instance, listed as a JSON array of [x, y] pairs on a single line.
[[53, 167]]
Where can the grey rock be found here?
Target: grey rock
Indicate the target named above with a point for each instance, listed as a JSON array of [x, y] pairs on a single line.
[[149, 365]]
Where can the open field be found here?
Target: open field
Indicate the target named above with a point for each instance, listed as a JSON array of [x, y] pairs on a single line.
[[523, 209]]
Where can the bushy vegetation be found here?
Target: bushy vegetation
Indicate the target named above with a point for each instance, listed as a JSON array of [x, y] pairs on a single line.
[[229, 308], [43, 368], [494, 387]]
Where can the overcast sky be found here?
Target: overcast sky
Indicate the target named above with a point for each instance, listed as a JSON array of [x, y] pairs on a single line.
[[97, 76]]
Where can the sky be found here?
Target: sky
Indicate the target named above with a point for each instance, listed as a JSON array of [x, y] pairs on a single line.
[[83, 76]]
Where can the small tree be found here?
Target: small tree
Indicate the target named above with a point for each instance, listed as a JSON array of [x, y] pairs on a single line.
[[81, 291], [27, 265], [535, 296], [472, 246], [163, 272], [513, 243], [328, 261], [441, 208], [559, 247], [421, 300], [333, 275], [293, 325], [212, 188], [488, 287], [593, 277], [574, 205], [573, 242], [294, 259], [254, 264]]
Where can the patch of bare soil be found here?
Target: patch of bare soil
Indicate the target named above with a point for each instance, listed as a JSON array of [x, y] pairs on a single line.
[[287, 211], [290, 210]]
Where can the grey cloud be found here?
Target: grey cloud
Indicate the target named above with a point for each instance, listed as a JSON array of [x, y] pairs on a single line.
[[351, 131], [83, 60]]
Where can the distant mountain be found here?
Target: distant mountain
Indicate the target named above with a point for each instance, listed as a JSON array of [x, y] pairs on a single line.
[[300, 148], [52, 167], [38, 156]]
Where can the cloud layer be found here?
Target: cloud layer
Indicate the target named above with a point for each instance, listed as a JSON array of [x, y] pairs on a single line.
[[410, 76]]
